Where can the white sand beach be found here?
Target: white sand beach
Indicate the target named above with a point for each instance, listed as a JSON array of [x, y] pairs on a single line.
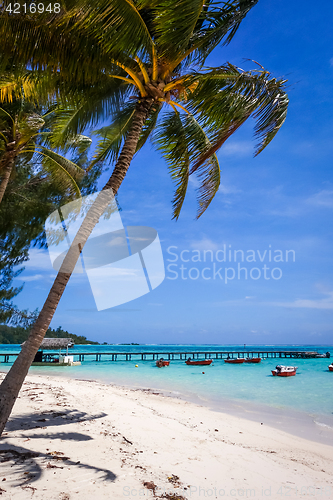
[[71, 439]]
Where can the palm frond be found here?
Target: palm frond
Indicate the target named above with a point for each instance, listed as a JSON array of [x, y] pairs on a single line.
[[117, 26], [63, 172], [173, 24], [4, 113], [28, 127], [208, 172], [80, 143], [26, 155], [217, 23], [84, 108], [65, 125], [171, 139], [80, 36], [225, 97], [12, 88], [113, 135], [183, 141]]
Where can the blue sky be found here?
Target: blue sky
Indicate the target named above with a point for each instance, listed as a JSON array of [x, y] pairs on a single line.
[[280, 200]]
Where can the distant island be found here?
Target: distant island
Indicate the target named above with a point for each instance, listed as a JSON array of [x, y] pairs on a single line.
[[18, 334]]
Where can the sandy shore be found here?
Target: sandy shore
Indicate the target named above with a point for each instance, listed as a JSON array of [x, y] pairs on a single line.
[[72, 439]]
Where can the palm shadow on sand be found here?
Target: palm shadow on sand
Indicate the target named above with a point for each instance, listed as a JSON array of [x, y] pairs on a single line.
[[25, 466], [49, 419]]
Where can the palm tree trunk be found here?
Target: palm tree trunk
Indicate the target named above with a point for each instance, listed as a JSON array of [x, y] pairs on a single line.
[[5, 179], [14, 379]]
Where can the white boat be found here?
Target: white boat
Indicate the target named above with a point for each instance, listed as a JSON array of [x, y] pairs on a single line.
[[284, 371]]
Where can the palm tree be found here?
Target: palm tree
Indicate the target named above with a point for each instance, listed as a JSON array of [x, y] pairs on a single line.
[[25, 133], [151, 55]]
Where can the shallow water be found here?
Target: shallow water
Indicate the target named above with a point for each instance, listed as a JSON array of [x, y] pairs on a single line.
[[245, 389]]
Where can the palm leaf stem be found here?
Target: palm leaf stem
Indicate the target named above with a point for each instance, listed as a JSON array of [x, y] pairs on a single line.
[[5, 112], [127, 80], [155, 63], [173, 107], [143, 70], [4, 138], [218, 144], [178, 106], [132, 74], [174, 84]]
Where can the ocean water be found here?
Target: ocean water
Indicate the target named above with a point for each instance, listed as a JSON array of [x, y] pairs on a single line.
[[247, 390]]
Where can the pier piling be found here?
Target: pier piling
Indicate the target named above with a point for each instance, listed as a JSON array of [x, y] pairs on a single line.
[[6, 357]]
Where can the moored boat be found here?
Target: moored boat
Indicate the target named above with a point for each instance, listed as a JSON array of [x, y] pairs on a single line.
[[252, 360], [199, 362], [161, 362], [330, 367], [234, 360], [284, 371]]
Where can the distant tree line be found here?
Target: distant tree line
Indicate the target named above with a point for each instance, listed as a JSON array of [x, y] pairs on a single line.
[[18, 334]]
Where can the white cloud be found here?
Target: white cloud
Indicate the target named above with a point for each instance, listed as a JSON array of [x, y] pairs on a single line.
[[297, 206], [228, 189], [325, 303], [34, 277], [237, 149], [323, 198], [204, 244], [291, 211], [39, 260], [224, 189], [194, 181], [117, 271]]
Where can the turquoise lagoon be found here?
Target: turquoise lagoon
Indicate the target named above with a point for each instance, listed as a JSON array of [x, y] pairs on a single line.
[[302, 404]]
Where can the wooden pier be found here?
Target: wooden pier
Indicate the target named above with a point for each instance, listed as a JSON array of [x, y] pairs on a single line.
[[178, 356]]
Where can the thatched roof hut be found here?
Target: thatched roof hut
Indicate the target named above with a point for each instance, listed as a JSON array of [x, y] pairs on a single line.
[[55, 343]]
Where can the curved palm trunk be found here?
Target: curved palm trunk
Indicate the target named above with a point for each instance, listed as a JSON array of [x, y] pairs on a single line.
[[5, 179], [14, 379]]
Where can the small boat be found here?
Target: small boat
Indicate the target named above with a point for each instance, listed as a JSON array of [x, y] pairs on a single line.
[[284, 371], [199, 362], [234, 360], [330, 367], [161, 362], [252, 360]]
